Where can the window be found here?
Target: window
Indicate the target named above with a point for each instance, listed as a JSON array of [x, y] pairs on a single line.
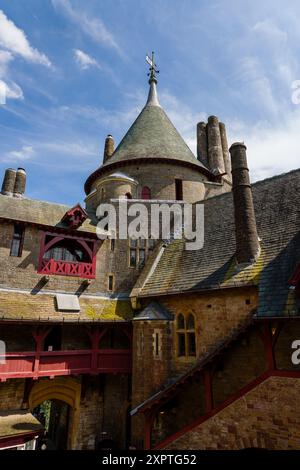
[[178, 190], [110, 282], [17, 240], [146, 193], [142, 257], [67, 256], [66, 251], [157, 340], [138, 251], [128, 196], [186, 340], [112, 244]]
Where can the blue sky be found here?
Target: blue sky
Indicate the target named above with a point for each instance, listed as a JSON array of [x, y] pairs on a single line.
[[75, 71]]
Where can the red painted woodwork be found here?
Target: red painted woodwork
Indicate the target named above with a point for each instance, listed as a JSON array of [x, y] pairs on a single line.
[[52, 363], [12, 441], [85, 270], [75, 216], [250, 386], [67, 268], [207, 379], [146, 193], [295, 279]]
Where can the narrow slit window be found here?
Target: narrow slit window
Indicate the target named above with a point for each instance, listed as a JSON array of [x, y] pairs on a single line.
[[110, 282], [178, 190], [16, 247]]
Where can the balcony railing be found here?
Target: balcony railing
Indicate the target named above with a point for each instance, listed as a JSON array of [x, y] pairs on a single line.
[[67, 268], [53, 363]]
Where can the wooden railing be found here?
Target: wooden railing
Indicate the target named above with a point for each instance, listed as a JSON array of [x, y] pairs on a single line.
[[67, 268], [53, 363]]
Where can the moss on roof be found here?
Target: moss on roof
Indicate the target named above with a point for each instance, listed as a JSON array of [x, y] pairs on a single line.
[[14, 423], [38, 212], [28, 307]]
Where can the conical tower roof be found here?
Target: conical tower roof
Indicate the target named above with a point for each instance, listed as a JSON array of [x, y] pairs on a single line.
[[152, 136]]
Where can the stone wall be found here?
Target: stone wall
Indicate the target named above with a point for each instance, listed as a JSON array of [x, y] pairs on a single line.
[[266, 417], [11, 394]]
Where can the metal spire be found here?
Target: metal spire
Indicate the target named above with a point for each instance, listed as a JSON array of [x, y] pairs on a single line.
[[152, 96]]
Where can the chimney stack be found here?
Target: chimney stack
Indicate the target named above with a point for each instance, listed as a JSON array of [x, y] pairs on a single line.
[[247, 244], [202, 143], [8, 182], [109, 147], [215, 152], [226, 157], [20, 183]]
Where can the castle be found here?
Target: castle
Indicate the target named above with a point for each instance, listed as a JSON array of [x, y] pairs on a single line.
[[141, 343]]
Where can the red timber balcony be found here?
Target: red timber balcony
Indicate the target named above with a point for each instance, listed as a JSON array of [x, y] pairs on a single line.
[[108, 351], [53, 363], [67, 255], [67, 268]]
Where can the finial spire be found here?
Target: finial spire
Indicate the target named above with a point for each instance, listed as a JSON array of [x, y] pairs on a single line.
[[152, 96], [152, 69]]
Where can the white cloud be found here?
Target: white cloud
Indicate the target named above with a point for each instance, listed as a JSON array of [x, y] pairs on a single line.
[[92, 27], [25, 153], [10, 90], [5, 58], [271, 149], [84, 60], [14, 40]]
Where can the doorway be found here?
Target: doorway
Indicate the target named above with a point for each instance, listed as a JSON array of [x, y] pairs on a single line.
[[55, 417]]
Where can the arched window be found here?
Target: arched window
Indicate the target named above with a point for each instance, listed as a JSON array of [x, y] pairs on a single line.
[[67, 250], [146, 193], [185, 331], [128, 196]]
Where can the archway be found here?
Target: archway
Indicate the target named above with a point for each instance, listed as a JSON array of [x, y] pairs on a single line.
[[64, 390], [55, 417]]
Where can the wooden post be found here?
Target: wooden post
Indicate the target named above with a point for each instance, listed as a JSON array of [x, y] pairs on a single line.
[[269, 346], [149, 417], [39, 336], [207, 380]]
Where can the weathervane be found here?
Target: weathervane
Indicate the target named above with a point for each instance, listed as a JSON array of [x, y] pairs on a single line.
[[152, 70]]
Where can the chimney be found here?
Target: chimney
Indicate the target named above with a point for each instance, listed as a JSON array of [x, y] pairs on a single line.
[[202, 142], [226, 157], [20, 183], [215, 152], [8, 182], [247, 244], [109, 147]]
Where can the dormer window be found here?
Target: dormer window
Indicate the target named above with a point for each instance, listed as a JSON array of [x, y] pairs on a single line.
[[74, 217], [66, 255]]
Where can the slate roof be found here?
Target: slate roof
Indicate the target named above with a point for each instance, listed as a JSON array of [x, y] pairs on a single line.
[[38, 212], [42, 307], [152, 135], [154, 311], [276, 202], [18, 422]]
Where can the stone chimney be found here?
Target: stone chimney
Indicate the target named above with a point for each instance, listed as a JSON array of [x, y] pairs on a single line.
[[9, 182], [202, 143], [215, 151], [109, 147], [247, 243], [226, 157], [20, 183]]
